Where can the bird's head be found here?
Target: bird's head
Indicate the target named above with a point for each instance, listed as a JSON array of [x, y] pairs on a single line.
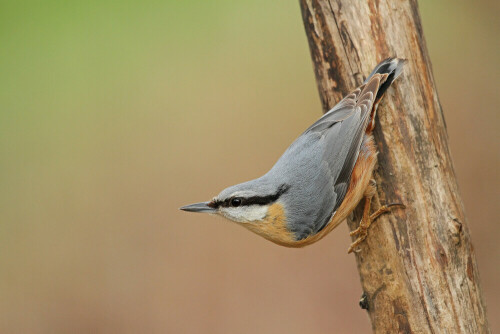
[[256, 205], [243, 203]]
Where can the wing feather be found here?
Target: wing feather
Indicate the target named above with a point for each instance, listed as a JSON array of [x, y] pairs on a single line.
[[343, 147]]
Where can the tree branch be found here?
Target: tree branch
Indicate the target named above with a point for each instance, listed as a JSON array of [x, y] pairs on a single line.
[[417, 266]]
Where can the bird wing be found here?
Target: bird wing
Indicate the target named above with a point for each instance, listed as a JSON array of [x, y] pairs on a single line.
[[343, 145], [338, 134]]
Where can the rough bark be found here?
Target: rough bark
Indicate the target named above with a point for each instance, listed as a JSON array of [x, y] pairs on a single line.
[[417, 266]]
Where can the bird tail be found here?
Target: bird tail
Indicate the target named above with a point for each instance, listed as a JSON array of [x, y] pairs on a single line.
[[390, 66], [390, 69]]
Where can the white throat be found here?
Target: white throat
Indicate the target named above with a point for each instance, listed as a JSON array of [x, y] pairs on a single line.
[[244, 214]]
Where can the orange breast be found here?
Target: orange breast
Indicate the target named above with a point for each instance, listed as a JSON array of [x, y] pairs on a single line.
[[273, 227]]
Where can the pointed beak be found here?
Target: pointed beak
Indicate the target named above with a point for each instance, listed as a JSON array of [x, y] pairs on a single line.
[[199, 207]]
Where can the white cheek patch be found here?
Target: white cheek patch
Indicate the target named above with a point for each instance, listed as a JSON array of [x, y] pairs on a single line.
[[244, 214]]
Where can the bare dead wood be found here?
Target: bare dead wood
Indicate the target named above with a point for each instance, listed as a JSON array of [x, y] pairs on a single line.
[[417, 267]]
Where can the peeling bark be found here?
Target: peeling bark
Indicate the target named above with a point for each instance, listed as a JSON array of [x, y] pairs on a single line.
[[417, 267]]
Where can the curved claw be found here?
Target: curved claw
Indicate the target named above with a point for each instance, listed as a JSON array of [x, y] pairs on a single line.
[[396, 204]]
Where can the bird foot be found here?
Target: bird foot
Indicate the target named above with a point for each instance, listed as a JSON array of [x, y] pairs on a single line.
[[362, 231]]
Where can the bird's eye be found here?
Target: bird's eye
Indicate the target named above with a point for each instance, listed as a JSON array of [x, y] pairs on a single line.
[[236, 202]]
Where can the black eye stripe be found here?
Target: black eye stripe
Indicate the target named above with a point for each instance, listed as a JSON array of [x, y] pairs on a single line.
[[254, 200]]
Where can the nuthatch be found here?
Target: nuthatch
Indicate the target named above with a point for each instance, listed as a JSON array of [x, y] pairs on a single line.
[[320, 178]]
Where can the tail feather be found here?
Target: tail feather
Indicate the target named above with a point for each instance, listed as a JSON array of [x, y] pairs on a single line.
[[391, 66], [390, 69]]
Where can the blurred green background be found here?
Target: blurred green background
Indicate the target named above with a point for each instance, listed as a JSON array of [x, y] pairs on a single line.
[[114, 114]]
